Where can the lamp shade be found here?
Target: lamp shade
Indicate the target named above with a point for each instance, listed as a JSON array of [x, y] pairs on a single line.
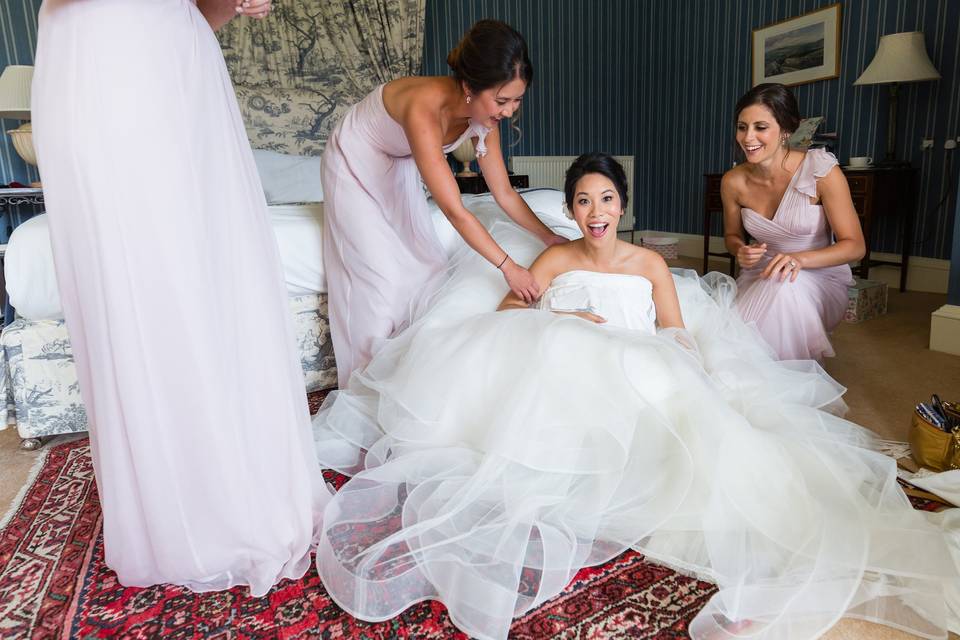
[[15, 92], [900, 57]]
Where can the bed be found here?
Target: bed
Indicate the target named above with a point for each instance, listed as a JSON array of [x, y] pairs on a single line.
[[37, 375]]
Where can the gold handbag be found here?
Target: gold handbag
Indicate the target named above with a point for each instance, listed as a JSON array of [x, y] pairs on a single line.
[[934, 448]]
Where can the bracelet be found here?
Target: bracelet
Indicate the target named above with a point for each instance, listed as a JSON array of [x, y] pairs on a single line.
[[503, 261]]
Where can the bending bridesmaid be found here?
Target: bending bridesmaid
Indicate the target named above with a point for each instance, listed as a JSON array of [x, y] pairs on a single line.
[[167, 266], [380, 250], [797, 208]]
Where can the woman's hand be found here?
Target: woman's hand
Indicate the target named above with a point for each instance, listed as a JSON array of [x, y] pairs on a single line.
[[522, 283], [586, 315], [783, 266], [750, 254], [553, 239], [254, 8]]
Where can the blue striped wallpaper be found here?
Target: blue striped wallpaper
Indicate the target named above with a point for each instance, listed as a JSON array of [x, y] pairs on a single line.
[[658, 79], [18, 35]]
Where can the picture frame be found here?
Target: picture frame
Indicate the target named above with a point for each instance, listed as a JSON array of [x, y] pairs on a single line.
[[798, 50]]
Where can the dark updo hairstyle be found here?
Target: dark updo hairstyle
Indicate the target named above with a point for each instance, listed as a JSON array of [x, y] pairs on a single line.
[[491, 53], [595, 162], [775, 97]]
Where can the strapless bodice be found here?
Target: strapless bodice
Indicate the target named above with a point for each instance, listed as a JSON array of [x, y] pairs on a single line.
[[623, 300]]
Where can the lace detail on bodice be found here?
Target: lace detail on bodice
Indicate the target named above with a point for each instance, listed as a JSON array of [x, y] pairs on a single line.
[[623, 300]]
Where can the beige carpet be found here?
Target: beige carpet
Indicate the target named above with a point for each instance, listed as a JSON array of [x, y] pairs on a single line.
[[885, 363]]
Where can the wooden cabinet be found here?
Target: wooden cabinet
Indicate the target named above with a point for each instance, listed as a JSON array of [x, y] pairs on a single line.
[[876, 192]]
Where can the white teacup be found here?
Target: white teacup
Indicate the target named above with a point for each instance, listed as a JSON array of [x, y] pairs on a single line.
[[861, 161]]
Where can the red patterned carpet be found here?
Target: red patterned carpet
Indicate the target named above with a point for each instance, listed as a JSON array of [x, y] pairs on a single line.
[[54, 584]]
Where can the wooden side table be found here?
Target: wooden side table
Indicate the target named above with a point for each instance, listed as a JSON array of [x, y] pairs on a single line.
[[476, 184], [877, 192]]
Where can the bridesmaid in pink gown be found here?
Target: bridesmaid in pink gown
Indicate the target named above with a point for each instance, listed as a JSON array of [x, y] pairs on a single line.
[[173, 295], [380, 250], [797, 208]]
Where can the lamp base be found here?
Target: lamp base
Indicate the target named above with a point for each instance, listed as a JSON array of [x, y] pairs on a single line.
[[22, 138]]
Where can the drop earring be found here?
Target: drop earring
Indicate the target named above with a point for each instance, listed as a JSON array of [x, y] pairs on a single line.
[[468, 98]]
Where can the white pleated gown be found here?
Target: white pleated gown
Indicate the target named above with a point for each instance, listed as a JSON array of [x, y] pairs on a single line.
[[174, 299]]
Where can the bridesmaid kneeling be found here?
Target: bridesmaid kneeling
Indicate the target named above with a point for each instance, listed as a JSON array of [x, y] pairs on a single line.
[[794, 277]]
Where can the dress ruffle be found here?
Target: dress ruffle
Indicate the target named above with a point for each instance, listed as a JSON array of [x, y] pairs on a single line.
[[816, 164]]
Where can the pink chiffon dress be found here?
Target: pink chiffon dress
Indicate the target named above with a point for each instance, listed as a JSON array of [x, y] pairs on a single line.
[[173, 295], [795, 318], [380, 249]]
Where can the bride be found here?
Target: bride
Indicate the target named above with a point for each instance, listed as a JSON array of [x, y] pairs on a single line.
[[494, 454]]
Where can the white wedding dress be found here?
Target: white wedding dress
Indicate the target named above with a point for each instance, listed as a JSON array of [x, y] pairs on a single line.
[[506, 450]]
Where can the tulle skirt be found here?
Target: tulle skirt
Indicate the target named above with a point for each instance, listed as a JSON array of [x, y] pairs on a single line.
[[495, 454]]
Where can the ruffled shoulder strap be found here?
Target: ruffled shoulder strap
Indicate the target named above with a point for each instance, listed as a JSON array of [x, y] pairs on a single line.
[[481, 132], [816, 164]]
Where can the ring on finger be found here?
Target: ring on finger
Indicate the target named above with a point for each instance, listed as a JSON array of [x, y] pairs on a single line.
[[793, 264]]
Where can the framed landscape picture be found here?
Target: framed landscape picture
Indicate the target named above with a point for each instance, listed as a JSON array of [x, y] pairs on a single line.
[[798, 50]]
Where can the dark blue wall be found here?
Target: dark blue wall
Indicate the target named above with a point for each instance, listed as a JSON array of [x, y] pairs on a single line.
[[658, 79]]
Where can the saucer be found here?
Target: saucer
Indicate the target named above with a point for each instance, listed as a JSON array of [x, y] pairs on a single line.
[[850, 167]]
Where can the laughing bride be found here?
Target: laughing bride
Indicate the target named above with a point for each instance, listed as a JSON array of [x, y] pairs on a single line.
[[494, 454]]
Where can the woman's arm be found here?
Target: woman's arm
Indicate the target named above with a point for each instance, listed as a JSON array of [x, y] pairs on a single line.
[[544, 269], [495, 175], [849, 246], [665, 298], [426, 142], [747, 254]]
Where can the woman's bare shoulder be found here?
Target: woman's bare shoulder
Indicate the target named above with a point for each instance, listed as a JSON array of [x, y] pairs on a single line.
[[415, 97], [734, 178], [644, 262]]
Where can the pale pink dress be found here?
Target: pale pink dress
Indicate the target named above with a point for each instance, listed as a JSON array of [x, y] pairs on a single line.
[[174, 298], [380, 249], [795, 318]]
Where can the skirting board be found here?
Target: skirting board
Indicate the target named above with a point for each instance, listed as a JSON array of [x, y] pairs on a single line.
[[925, 274], [945, 329]]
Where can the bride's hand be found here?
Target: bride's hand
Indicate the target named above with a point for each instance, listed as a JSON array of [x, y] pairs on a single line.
[[521, 281], [586, 315]]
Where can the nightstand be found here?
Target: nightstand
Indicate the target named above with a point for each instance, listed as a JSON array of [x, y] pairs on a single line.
[[476, 184]]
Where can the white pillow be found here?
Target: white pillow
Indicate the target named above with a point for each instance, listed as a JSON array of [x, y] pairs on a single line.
[[546, 203], [28, 265], [289, 179]]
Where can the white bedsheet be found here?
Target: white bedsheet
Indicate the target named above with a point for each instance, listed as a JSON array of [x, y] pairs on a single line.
[[32, 284]]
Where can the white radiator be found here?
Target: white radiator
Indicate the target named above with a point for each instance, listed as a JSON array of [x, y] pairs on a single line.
[[549, 171]]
